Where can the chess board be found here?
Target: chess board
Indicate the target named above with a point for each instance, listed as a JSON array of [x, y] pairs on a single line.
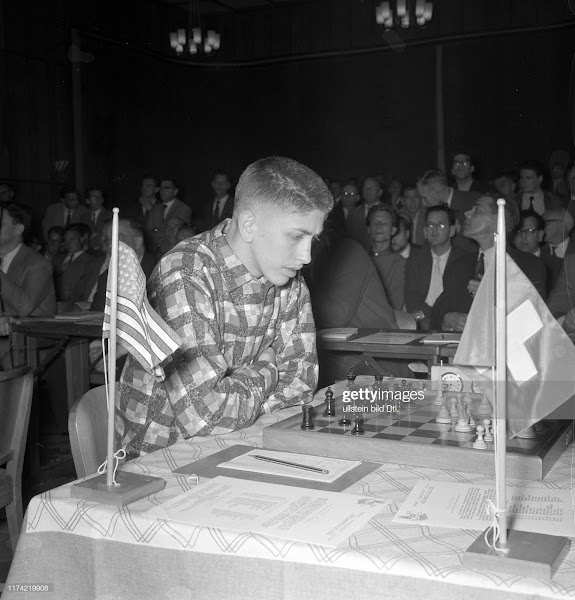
[[413, 437]]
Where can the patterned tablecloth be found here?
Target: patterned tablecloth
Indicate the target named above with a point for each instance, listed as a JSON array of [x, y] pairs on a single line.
[[383, 547]]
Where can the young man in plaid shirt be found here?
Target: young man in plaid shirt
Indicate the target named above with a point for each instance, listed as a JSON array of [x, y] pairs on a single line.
[[237, 300]]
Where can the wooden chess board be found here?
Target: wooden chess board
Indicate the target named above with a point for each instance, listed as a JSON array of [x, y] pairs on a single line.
[[413, 437]]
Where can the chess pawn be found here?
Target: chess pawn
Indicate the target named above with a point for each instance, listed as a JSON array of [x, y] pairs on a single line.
[[440, 394], [307, 421], [479, 443], [358, 428], [444, 418], [485, 407], [488, 437]]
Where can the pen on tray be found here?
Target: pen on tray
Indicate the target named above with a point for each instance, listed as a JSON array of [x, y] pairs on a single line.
[[286, 463]]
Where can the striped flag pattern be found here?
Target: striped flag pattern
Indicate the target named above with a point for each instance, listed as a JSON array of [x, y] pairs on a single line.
[[139, 328]]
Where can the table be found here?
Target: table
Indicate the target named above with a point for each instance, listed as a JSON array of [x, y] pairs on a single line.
[[430, 353], [73, 337], [91, 551]]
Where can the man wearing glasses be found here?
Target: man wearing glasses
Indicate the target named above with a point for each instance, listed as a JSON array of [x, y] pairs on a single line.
[[462, 169], [425, 267]]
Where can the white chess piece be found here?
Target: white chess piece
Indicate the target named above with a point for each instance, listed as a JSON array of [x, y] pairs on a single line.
[[488, 437], [479, 443], [463, 424], [485, 407], [443, 417], [439, 398]]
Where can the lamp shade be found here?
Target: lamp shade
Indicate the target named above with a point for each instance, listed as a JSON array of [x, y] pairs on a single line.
[[181, 37]]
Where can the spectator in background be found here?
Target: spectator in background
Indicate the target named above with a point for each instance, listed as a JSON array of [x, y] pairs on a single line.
[[400, 241], [184, 232], [6, 192], [532, 196], [382, 225], [222, 206], [148, 197], [356, 220], [66, 212], [172, 227], [98, 216], [394, 191], [505, 183], [462, 169], [54, 243], [412, 206]]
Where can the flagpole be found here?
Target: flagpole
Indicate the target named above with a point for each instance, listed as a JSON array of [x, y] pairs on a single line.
[[501, 375], [112, 348]]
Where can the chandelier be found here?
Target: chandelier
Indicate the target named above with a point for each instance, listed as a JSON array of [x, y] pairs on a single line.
[[193, 39], [403, 13]]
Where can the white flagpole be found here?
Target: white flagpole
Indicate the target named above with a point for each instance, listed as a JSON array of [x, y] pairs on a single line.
[[113, 272], [501, 374]]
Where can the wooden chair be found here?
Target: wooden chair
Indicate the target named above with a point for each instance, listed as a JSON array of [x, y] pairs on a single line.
[[16, 387], [405, 320], [88, 426]]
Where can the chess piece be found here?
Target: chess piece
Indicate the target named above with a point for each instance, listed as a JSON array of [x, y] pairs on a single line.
[[479, 443], [527, 434], [453, 412], [439, 398], [471, 420], [485, 407], [488, 437], [444, 418], [462, 424], [307, 422], [329, 404], [358, 428]]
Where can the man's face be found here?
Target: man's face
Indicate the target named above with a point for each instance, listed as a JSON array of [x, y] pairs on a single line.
[[371, 191], [149, 188], [461, 167], [6, 193], [529, 181], [505, 186], [281, 243], [429, 194], [528, 236], [72, 200], [95, 199], [168, 191], [381, 227], [72, 242], [54, 243], [480, 220], [350, 196], [411, 201], [125, 234], [394, 188], [400, 240], [172, 226], [220, 185], [10, 230], [437, 228], [554, 228]]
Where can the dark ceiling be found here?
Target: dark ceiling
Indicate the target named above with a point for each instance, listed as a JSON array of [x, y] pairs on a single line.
[[215, 7]]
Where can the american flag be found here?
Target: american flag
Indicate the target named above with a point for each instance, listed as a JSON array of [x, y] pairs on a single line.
[[139, 328]]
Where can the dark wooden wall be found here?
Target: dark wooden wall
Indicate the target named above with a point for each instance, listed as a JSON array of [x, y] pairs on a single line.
[[314, 80]]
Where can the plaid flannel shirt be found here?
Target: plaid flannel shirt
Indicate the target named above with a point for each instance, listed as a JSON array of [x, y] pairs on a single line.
[[226, 319]]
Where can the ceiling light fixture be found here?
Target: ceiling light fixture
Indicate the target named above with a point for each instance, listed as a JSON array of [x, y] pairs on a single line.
[[194, 40], [403, 13]]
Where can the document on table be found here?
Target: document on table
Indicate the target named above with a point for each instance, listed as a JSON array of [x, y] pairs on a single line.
[[296, 514], [462, 505], [336, 467], [381, 337]]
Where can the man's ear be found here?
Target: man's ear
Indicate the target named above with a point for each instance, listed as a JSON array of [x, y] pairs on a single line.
[[20, 229], [393, 231], [472, 169], [247, 226], [540, 236], [452, 231], [176, 191]]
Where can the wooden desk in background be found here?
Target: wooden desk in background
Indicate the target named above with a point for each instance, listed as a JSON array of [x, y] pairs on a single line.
[[74, 338]]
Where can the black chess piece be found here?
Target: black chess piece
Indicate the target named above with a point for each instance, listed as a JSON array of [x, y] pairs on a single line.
[[358, 428], [329, 404], [307, 422]]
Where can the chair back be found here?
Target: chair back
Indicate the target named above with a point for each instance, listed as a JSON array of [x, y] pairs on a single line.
[[16, 388], [405, 320], [88, 426]]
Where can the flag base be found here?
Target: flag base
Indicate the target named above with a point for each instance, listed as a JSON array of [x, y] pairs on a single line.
[[530, 554], [129, 488]]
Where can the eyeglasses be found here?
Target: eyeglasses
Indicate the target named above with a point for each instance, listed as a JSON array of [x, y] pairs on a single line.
[[554, 221], [461, 163], [528, 230], [435, 226], [350, 194]]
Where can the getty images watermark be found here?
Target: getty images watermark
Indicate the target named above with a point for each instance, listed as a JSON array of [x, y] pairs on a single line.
[[378, 401]]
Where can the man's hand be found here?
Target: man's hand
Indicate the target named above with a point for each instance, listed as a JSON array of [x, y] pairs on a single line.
[[5, 325], [472, 286], [454, 321], [268, 355]]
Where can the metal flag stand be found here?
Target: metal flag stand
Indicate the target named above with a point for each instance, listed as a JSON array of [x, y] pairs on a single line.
[[511, 552], [114, 487]]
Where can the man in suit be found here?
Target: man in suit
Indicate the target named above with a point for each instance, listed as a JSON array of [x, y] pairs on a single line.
[[531, 195], [357, 228], [76, 271], [505, 182], [400, 243], [434, 189], [26, 285], [98, 216], [170, 206], [222, 206], [413, 207], [425, 267], [461, 279], [67, 211], [462, 169]]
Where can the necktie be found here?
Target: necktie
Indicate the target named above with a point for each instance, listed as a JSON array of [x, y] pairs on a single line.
[[166, 208], [553, 250], [68, 217], [436, 283], [94, 218], [217, 210], [531, 203], [480, 266]]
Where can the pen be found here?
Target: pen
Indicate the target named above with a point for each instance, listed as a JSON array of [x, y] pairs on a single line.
[[286, 463]]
